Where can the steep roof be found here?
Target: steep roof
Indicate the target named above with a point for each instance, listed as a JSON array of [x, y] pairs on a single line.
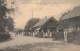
[[74, 13], [42, 22]]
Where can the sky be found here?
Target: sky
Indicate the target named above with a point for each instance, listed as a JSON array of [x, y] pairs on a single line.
[[40, 8]]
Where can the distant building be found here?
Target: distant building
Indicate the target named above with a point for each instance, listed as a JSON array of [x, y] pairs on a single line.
[[71, 22], [46, 27]]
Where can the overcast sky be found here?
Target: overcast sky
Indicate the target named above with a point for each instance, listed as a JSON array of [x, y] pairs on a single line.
[[41, 8]]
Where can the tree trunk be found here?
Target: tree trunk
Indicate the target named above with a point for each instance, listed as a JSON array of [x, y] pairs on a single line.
[[1, 25]]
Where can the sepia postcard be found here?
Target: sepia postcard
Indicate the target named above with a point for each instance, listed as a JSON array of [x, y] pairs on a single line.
[[39, 25]]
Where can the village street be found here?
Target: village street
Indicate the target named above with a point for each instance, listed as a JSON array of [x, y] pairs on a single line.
[[26, 43]]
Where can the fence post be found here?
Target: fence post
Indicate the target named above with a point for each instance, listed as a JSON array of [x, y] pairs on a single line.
[[65, 35]]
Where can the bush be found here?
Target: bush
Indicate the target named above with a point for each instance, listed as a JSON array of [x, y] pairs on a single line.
[[40, 35], [74, 37], [58, 35], [4, 36]]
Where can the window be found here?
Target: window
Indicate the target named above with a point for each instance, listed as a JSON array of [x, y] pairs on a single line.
[[70, 29]]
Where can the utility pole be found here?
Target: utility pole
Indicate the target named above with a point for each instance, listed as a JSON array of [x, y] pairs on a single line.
[[33, 21], [32, 14]]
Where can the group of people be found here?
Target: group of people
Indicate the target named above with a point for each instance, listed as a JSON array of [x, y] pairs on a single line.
[[17, 33]]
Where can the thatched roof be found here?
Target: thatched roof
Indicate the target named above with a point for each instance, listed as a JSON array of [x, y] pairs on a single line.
[[74, 13], [42, 22]]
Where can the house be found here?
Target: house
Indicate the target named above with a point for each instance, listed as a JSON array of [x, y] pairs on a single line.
[[71, 22], [46, 27]]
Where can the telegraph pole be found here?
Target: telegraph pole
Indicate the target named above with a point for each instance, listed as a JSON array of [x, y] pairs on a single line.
[[32, 14], [33, 21]]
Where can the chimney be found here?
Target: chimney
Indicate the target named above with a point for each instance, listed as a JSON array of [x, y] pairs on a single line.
[[42, 19], [45, 17]]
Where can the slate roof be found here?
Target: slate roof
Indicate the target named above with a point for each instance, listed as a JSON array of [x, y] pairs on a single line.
[[42, 22], [74, 13]]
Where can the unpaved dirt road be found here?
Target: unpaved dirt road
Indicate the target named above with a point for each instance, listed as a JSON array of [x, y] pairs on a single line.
[[25, 43]]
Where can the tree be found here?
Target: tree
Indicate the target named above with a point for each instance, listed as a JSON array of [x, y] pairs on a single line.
[[3, 17], [4, 35], [10, 24], [31, 23]]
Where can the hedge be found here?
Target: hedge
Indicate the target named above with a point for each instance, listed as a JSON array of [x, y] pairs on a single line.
[[4, 36], [58, 35], [74, 37]]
